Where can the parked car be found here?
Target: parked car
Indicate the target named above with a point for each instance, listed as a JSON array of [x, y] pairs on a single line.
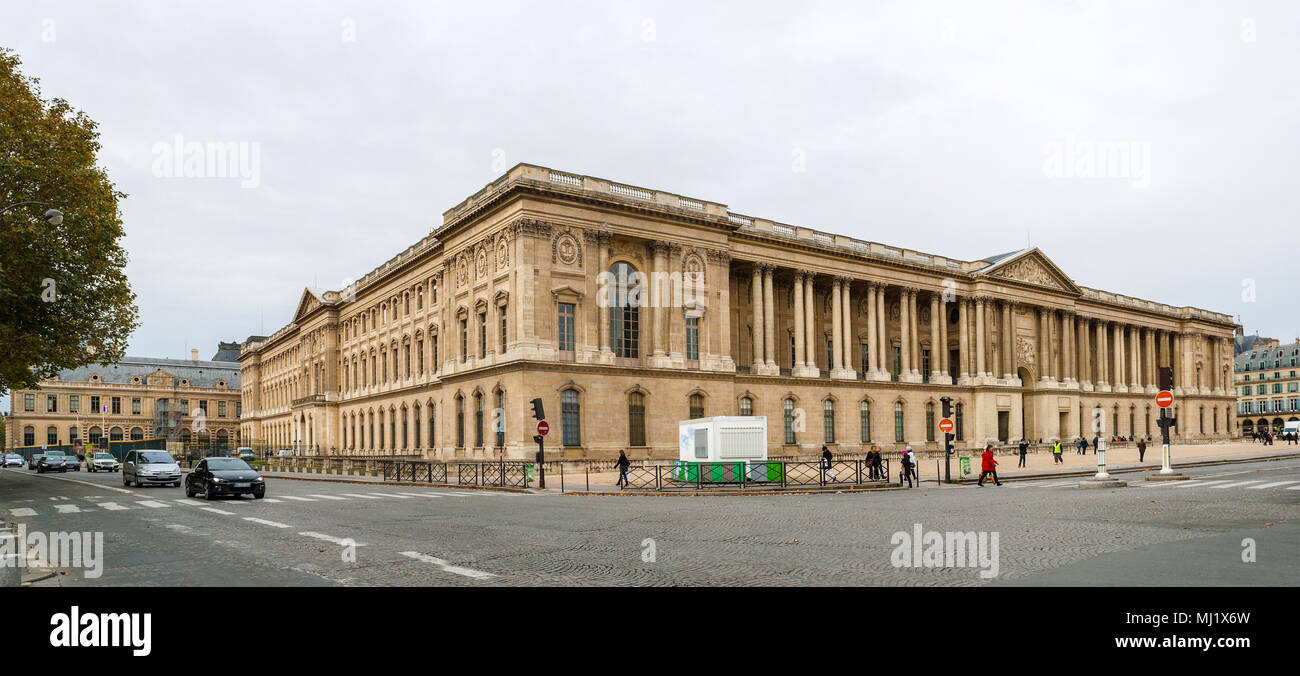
[[284, 453], [13, 460], [245, 453], [214, 477], [101, 462], [72, 461], [145, 467], [51, 462]]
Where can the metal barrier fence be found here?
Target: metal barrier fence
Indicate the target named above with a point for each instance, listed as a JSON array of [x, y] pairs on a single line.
[[740, 474], [499, 473]]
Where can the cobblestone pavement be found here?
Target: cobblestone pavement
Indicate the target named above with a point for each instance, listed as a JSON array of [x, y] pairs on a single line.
[[1048, 533]]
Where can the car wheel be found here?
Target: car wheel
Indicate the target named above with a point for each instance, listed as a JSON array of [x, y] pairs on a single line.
[[124, 481], [176, 485], [208, 494], [189, 492], [258, 495]]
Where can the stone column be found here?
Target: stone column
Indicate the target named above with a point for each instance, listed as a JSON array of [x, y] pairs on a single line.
[[769, 321], [847, 342], [936, 349], [810, 326], [1008, 340], [1067, 353], [837, 327], [660, 250], [945, 365], [981, 370], [915, 332], [882, 334], [1135, 371], [1085, 359], [799, 329], [757, 298], [963, 342], [1103, 375], [872, 363], [904, 333]]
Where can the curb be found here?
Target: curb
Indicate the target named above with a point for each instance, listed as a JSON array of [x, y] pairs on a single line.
[[502, 489], [757, 492], [1155, 468]]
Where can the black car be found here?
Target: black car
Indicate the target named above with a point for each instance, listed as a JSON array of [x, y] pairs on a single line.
[[51, 463], [224, 476]]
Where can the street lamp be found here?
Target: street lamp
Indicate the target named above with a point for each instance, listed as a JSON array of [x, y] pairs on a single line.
[[51, 216]]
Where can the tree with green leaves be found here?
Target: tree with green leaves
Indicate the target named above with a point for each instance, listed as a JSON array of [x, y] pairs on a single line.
[[64, 297]]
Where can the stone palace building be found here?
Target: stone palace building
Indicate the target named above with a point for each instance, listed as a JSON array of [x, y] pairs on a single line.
[[628, 309]]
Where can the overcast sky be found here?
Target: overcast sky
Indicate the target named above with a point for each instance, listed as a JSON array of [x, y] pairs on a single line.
[[928, 125]]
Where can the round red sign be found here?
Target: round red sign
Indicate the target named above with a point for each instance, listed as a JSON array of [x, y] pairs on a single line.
[[1165, 399], [946, 426], [543, 428]]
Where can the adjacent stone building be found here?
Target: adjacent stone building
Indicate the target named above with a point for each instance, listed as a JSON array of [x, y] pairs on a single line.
[[1268, 387], [628, 309], [136, 398]]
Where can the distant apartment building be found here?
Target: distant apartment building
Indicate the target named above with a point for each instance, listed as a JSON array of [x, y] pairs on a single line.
[[1268, 386]]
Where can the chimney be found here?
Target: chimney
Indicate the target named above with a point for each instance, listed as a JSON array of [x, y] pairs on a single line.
[[194, 354]]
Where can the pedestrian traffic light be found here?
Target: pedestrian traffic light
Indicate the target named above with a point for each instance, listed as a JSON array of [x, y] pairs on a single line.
[[538, 412], [947, 406], [1166, 378]]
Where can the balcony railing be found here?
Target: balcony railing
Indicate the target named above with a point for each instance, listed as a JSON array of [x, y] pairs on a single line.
[[308, 400]]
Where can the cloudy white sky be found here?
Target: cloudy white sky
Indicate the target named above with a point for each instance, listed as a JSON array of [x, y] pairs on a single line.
[[928, 125]]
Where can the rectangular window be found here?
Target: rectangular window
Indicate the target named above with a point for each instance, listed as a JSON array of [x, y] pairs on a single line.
[[925, 366], [117, 405], [566, 328], [828, 420], [866, 357], [52, 436], [74, 404], [482, 335], [693, 338], [221, 409], [419, 346], [464, 340], [135, 406], [29, 404], [239, 410], [865, 421], [830, 353], [787, 411], [406, 350], [94, 405], [501, 348], [898, 363], [51, 403], [433, 292], [203, 407]]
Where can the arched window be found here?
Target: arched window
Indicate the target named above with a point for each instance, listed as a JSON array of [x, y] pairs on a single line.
[[460, 422], [624, 311], [415, 418], [115, 434], [746, 406], [636, 419], [828, 420], [959, 422], [570, 418], [405, 441], [898, 421], [52, 436], [478, 419], [137, 433], [697, 406], [787, 420], [864, 415], [499, 417], [433, 439], [929, 421], [29, 436]]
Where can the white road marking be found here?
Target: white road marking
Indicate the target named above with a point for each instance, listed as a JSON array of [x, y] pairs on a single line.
[[264, 522], [423, 495], [326, 497], [67, 509], [294, 497], [1239, 483], [189, 501], [151, 503], [358, 495], [112, 506], [270, 500], [343, 542], [1185, 484], [399, 496], [23, 511], [450, 495], [1272, 485], [1294, 488], [447, 567], [57, 497], [75, 481], [178, 527], [214, 510]]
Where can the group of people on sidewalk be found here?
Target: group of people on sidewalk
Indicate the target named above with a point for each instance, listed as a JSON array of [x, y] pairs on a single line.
[[1267, 437]]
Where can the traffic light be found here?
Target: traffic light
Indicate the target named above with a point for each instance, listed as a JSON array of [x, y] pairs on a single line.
[[947, 406], [538, 412], [1166, 378]]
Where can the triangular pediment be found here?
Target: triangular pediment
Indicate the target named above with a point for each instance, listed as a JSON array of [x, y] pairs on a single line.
[[310, 301], [1034, 268]]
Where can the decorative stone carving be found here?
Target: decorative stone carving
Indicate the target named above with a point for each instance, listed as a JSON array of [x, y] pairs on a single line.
[[481, 261], [693, 267], [503, 251], [1025, 351], [566, 249], [462, 270], [1029, 271], [531, 227]]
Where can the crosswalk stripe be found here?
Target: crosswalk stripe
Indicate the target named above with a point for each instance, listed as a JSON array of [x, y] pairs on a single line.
[[112, 506], [1294, 488], [67, 509], [399, 496], [1185, 484], [358, 495], [23, 511], [326, 497], [264, 522], [294, 497], [189, 501], [151, 503], [450, 495], [270, 500], [1239, 483], [423, 495], [214, 510], [1272, 485]]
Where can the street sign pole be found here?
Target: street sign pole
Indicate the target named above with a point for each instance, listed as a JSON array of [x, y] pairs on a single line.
[[1165, 467]]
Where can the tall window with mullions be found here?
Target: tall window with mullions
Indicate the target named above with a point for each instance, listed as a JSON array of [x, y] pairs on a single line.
[[898, 363], [570, 418], [959, 422], [787, 411], [693, 338], [499, 417], [478, 419], [636, 419], [898, 421], [929, 421], [624, 311], [460, 422], [828, 420], [864, 412], [566, 327]]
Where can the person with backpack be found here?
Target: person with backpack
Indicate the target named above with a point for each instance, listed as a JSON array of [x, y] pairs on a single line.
[[988, 466], [1024, 448], [826, 463], [622, 464], [1056, 452], [905, 472]]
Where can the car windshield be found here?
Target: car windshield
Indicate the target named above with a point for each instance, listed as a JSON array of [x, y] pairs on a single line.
[[156, 458], [103, 456], [221, 464], [53, 454]]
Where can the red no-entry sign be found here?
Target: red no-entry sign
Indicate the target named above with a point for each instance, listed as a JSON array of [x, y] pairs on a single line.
[[946, 426], [1165, 399], [543, 428]]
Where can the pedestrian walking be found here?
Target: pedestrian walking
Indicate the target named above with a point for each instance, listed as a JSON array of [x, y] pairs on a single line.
[[1095, 440], [1024, 449], [1083, 446], [906, 470], [1056, 452], [873, 463], [988, 466], [1142, 450], [623, 464], [826, 463]]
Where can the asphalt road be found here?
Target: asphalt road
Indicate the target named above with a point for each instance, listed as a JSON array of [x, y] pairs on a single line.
[[1048, 533]]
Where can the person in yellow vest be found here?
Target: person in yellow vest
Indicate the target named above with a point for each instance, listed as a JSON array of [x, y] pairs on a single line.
[[1056, 451]]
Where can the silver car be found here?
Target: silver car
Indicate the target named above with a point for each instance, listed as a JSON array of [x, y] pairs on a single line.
[[101, 462], [146, 468], [13, 460]]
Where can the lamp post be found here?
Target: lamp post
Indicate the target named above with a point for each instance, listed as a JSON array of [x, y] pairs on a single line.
[[51, 216]]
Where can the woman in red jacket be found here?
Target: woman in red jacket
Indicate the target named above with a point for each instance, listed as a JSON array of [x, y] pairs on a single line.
[[988, 466]]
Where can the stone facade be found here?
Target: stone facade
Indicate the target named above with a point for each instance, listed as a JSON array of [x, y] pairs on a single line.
[[145, 397], [1268, 386], [627, 309]]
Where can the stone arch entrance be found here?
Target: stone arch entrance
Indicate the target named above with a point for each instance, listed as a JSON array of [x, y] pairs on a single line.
[[1027, 402]]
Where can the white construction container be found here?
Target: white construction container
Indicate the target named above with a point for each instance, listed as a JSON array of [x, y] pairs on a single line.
[[723, 449]]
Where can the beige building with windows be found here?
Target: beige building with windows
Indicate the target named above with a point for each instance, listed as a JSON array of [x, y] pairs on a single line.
[[628, 309], [1268, 386], [136, 398]]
